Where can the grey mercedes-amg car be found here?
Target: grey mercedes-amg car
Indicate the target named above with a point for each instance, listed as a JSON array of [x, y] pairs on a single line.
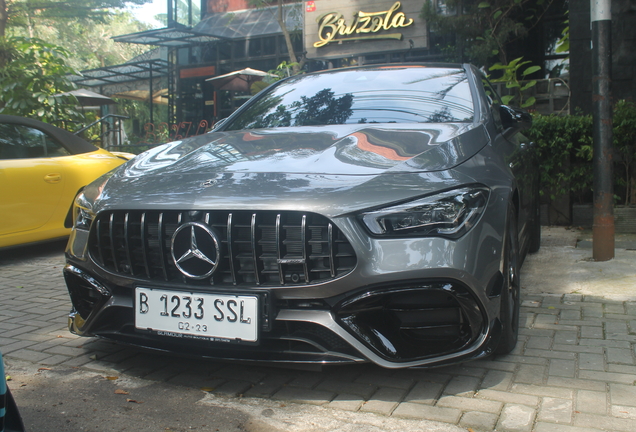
[[376, 213]]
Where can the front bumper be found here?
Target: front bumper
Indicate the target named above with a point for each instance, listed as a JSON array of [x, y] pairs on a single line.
[[402, 303], [413, 323]]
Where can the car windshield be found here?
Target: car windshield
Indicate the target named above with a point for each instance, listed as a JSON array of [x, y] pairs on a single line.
[[393, 94]]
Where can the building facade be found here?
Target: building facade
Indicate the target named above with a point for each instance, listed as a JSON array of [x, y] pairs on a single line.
[[215, 37]]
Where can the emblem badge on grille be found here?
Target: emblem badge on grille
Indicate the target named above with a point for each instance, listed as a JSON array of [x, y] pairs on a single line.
[[196, 250], [208, 183]]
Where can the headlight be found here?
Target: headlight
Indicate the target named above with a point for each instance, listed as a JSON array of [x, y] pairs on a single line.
[[449, 214], [82, 218], [82, 214]]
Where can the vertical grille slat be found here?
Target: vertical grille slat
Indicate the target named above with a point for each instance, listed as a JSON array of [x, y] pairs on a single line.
[[230, 249], [111, 235], [305, 245], [266, 248], [127, 241], [254, 252], [144, 244], [332, 259], [162, 243], [279, 251]]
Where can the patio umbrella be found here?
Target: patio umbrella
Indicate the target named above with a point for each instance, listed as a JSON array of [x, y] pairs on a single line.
[[158, 97], [89, 98], [240, 80]]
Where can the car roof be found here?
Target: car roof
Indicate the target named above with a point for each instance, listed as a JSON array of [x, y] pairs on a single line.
[[73, 143], [387, 66]]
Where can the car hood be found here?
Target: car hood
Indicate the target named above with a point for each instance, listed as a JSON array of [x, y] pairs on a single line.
[[344, 150], [275, 164]]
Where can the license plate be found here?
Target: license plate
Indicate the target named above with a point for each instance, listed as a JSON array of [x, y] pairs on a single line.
[[214, 316]]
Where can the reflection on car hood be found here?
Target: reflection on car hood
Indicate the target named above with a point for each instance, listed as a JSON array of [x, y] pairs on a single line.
[[275, 166], [339, 150]]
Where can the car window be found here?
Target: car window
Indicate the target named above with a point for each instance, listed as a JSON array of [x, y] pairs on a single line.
[[23, 142], [491, 93], [494, 102], [364, 96]]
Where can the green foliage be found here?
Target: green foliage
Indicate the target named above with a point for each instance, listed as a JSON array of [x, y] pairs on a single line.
[[563, 44], [510, 76], [296, 63], [91, 43], [137, 126], [624, 133], [27, 13], [283, 70], [563, 145], [35, 72], [485, 29], [258, 86]]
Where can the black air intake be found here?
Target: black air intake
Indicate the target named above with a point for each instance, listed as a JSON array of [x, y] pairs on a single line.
[[416, 322]]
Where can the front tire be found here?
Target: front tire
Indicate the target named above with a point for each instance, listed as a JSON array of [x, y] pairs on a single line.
[[511, 292]]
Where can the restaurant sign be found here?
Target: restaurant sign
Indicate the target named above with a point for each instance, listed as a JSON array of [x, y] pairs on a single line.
[[334, 28]]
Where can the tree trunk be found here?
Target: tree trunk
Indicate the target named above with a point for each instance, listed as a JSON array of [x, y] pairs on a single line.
[[297, 65], [3, 17], [4, 55], [632, 182]]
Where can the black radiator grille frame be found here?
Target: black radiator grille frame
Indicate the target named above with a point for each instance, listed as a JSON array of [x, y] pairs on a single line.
[[263, 248]]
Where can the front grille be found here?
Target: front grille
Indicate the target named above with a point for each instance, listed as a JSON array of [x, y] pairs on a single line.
[[255, 248]]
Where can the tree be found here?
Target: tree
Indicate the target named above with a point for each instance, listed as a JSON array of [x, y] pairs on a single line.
[[295, 63], [26, 13], [624, 135], [91, 43], [484, 29], [323, 108], [510, 76], [60, 21], [35, 72]]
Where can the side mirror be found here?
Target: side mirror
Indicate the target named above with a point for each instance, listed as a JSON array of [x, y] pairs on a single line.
[[514, 117]]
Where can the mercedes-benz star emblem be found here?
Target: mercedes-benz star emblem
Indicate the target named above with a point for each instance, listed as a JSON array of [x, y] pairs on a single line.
[[195, 250], [208, 183]]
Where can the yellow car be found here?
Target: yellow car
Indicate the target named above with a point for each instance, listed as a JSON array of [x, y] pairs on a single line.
[[42, 169]]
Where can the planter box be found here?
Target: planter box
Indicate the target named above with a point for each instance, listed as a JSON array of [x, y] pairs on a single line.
[[624, 218]]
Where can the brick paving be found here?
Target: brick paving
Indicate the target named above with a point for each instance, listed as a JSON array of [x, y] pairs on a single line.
[[574, 368]]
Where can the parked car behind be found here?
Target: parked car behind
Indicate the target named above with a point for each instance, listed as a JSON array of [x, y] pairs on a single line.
[[42, 169], [377, 213], [10, 420]]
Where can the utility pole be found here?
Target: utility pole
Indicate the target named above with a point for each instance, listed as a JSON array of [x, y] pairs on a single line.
[[603, 228]]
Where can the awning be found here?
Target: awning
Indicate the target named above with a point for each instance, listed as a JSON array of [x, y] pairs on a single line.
[[158, 97], [88, 98], [174, 37], [240, 80], [251, 22], [133, 71]]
